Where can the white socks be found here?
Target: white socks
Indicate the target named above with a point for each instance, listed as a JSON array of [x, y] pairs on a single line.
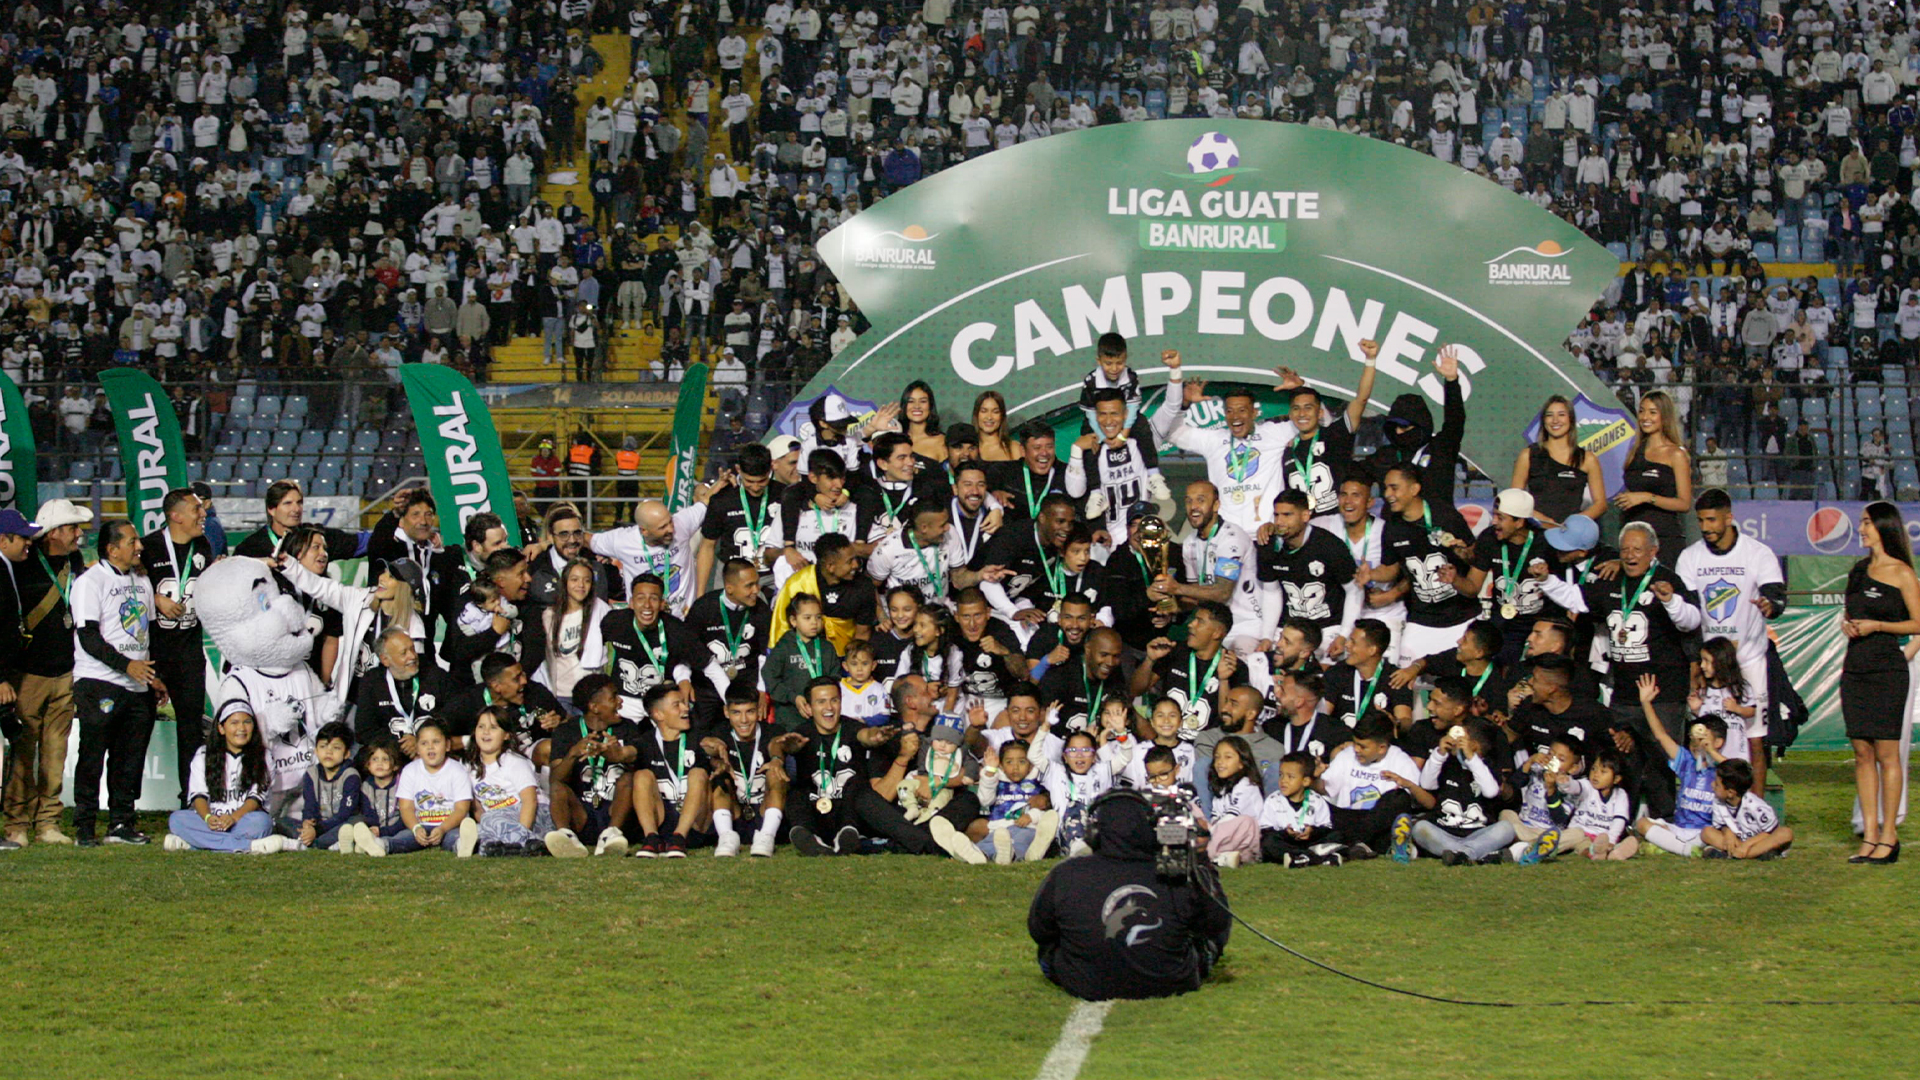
[[770, 821], [723, 821]]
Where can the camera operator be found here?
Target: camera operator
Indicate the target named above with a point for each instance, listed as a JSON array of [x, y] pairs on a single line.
[[1108, 925]]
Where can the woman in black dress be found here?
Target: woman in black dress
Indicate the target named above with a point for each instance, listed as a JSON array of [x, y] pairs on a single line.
[[1883, 604], [1659, 477], [1557, 471]]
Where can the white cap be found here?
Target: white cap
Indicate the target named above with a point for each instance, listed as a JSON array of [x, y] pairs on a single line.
[[835, 410], [782, 445], [1515, 502], [57, 512]]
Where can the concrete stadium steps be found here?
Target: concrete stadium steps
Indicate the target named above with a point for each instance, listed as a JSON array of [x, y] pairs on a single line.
[[630, 352], [617, 53]]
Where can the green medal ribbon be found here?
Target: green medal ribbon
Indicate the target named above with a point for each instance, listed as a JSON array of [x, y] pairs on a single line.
[[1627, 605], [1506, 572], [823, 772], [1361, 705], [654, 657], [953, 766], [1303, 465], [1484, 676], [815, 662], [596, 763], [1199, 689], [746, 776], [935, 576], [679, 757], [754, 523], [892, 510], [733, 636], [1033, 505], [66, 590], [1055, 569], [1092, 699]]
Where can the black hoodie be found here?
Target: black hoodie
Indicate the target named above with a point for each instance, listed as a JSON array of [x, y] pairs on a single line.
[[1108, 927], [1414, 441]]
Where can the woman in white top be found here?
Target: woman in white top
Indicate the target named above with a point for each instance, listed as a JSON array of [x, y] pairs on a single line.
[[569, 623]]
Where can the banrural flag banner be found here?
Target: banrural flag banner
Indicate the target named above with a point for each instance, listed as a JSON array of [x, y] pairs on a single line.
[[1243, 244], [466, 470], [153, 460], [19, 482], [687, 418]]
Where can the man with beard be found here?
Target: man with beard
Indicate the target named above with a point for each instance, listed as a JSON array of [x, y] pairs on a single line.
[[1317, 459], [985, 659], [174, 555], [743, 519], [926, 554], [1196, 674], [1363, 533], [731, 629], [1303, 571], [1061, 641], [1239, 715], [660, 542], [1023, 720], [644, 647], [904, 751], [973, 518], [1740, 587], [527, 711], [1427, 542], [496, 624], [1033, 555], [1297, 648], [1243, 462], [848, 600], [1073, 693], [566, 541], [1504, 551], [1136, 614]]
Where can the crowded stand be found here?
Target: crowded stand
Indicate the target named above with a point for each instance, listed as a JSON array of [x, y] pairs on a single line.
[[928, 630]]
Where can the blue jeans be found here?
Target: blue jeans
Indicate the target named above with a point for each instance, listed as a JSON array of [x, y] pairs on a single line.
[[188, 826], [404, 842], [554, 339], [328, 840], [1477, 845], [1019, 837]]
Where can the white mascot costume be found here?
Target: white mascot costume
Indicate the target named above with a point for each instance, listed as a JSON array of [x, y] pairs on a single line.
[[265, 638]]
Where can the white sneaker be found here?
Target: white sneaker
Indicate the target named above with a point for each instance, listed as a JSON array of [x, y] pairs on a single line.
[[1002, 834], [762, 845], [612, 843], [268, 845], [563, 844], [1228, 861], [955, 843], [1045, 824], [175, 843], [366, 842], [344, 841], [1077, 849], [469, 839], [727, 846]]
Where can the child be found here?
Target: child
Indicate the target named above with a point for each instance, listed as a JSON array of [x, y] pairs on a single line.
[[893, 638], [866, 699], [1078, 778], [331, 792], [436, 798], [1239, 796], [1599, 826], [1117, 741], [1294, 824], [1110, 372], [1465, 825], [797, 659], [1164, 770], [1020, 821], [1368, 785], [226, 797], [476, 620], [590, 758], [927, 655], [379, 796], [1547, 802], [750, 786], [1725, 695], [1166, 735], [506, 793], [1744, 826], [1695, 765]]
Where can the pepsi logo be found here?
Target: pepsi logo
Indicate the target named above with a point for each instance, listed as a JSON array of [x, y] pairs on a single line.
[[1830, 530]]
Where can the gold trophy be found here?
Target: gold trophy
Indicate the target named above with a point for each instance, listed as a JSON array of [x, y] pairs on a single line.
[[1156, 546]]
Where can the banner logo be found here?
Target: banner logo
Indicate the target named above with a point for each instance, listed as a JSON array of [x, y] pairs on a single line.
[[1213, 157], [151, 481], [903, 250], [1830, 530], [1722, 597], [9, 485], [1537, 264]]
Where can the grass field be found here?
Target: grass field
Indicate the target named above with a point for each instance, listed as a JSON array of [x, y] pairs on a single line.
[[143, 964]]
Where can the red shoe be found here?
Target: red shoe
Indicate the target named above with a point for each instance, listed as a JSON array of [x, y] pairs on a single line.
[[674, 846], [649, 847]]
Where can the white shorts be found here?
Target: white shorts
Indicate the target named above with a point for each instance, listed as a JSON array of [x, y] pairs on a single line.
[[1423, 641]]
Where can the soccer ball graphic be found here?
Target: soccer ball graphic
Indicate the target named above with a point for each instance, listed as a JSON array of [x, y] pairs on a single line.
[[1212, 151]]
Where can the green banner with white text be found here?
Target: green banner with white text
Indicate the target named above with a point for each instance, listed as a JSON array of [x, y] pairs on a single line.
[[1243, 244], [19, 480], [466, 469], [153, 460], [688, 418]]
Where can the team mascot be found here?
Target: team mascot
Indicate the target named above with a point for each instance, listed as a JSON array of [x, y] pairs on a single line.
[[265, 637]]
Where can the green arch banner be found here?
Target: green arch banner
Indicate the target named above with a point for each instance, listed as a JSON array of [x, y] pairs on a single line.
[[1242, 243]]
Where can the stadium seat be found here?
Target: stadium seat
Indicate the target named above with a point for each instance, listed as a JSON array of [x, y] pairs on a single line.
[[311, 442], [324, 486], [337, 441], [219, 470], [258, 441], [296, 405], [1765, 252], [268, 405]]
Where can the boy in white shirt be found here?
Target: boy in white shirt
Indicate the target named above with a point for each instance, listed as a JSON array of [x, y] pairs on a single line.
[[1367, 785]]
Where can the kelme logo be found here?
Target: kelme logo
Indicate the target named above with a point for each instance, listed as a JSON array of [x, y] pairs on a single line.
[[903, 250], [1536, 264], [1830, 530]]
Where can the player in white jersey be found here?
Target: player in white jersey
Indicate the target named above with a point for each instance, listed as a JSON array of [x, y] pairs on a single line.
[[1114, 465], [928, 555], [1244, 460], [660, 543], [1740, 587], [1218, 560]]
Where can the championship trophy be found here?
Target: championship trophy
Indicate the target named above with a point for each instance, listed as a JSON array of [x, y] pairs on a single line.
[[1156, 545]]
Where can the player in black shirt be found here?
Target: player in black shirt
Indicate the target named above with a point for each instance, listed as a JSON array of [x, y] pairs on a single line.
[[1197, 674], [730, 630], [1503, 553], [645, 647], [1032, 552], [1304, 571], [1428, 542], [670, 799], [590, 756], [173, 555], [743, 518], [1073, 693], [749, 781], [1477, 660], [985, 660], [829, 771], [1316, 461], [527, 711], [1022, 485], [1364, 680]]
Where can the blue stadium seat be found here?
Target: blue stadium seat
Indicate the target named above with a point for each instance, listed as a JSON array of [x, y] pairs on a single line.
[[268, 405], [240, 405], [220, 469], [296, 405], [311, 443], [337, 441], [328, 469], [247, 469], [81, 471], [258, 441], [1765, 252], [324, 486], [366, 441]]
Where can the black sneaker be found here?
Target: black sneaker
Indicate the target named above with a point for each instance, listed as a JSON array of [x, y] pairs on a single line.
[[535, 848], [494, 849], [1716, 853], [846, 841], [649, 847], [673, 846], [126, 834], [805, 843], [85, 838], [1454, 858], [1360, 852]]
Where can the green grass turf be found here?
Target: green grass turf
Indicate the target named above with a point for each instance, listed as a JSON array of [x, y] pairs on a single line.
[[142, 964]]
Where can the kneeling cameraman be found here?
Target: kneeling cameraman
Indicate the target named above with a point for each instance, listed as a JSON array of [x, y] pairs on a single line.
[[1110, 925]]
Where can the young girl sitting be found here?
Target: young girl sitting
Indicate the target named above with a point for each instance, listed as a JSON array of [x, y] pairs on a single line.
[[1166, 734], [1073, 783], [1463, 825], [506, 793], [1599, 829], [1119, 743], [1725, 695], [1238, 798], [226, 798], [379, 797], [436, 798]]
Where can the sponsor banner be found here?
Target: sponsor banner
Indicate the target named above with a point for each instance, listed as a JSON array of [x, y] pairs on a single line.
[[242, 515], [1813, 528], [466, 469], [794, 419], [152, 458], [1604, 430], [1243, 244], [19, 483], [688, 417], [583, 396]]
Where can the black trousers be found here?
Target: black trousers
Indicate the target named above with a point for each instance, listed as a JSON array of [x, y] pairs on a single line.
[[1372, 827], [115, 724], [801, 811], [182, 666], [1652, 784], [878, 817]]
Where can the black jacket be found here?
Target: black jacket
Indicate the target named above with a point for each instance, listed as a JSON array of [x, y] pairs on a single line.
[[1108, 927], [1412, 440]]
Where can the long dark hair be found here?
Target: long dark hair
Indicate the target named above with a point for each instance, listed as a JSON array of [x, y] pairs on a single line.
[[470, 753], [933, 407], [253, 764], [1726, 666], [1578, 457], [1892, 528], [557, 611], [1249, 767]]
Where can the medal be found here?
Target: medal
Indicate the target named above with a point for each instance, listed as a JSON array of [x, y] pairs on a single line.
[[1240, 496], [1508, 611], [823, 804], [1190, 721], [1620, 635]]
